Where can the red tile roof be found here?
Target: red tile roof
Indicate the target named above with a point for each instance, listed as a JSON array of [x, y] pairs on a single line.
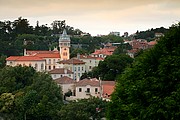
[[60, 71], [24, 58], [72, 61], [64, 80], [105, 51], [91, 82], [48, 55], [152, 43], [107, 90], [13, 58]]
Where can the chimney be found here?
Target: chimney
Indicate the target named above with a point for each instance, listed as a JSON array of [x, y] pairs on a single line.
[[24, 51], [65, 71]]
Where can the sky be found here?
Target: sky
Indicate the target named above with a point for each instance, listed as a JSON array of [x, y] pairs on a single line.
[[97, 17]]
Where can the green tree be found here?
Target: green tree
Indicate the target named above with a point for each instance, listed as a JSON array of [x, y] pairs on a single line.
[[111, 67], [83, 109], [35, 95], [150, 89]]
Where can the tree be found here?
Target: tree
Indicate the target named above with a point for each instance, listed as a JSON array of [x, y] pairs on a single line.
[[2, 61], [35, 95], [150, 89], [111, 67], [84, 109]]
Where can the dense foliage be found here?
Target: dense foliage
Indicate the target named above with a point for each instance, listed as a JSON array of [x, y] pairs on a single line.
[[84, 109], [150, 89], [19, 34], [26, 94], [150, 34], [109, 68]]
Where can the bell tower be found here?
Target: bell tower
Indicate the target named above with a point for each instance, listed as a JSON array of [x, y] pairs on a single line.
[[64, 45]]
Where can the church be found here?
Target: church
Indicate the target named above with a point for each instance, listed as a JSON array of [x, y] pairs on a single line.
[[43, 60]]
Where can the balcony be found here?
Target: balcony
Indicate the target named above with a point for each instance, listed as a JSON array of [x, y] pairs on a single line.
[[87, 92]]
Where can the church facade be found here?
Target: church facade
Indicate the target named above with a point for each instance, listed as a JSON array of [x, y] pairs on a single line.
[[43, 60]]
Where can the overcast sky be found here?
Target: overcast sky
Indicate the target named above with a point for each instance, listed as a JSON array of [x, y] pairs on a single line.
[[96, 16]]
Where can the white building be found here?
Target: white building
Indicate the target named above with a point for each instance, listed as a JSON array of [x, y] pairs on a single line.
[[67, 84], [90, 62], [115, 33], [86, 88], [60, 72], [74, 65], [33, 61]]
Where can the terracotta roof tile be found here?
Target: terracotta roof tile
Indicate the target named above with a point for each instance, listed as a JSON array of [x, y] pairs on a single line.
[[13, 58], [91, 82], [64, 80], [60, 71], [48, 55], [105, 51], [25, 58], [152, 43], [107, 90]]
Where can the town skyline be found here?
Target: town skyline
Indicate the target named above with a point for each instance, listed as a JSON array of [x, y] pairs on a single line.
[[96, 17]]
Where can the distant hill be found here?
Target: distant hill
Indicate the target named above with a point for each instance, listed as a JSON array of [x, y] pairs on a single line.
[[150, 34]]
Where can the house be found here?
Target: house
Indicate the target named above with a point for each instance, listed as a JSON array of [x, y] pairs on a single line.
[[158, 35], [43, 60], [115, 33], [74, 65], [87, 87], [67, 84], [103, 52], [60, 72], [152, 43], [90, 62]]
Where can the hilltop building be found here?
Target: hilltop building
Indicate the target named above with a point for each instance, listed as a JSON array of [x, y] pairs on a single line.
[[43, 60]]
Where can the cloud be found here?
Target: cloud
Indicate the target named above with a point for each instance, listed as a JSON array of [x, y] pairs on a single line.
[[95, 15]]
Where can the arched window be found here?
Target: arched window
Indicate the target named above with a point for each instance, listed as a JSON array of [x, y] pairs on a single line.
[[36, 66], [42, 66]]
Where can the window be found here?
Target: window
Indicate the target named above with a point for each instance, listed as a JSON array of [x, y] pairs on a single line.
[[10, 62], [42, 66], [82, 68], [49, 61], [80, 89], [54, 61], [36, 66], [78, 74], [90, 67], [49, 67], [90, 61], [88, 90], [78, 68], [74, 68], [30, 65], [54, 67], [96, 90], [54, 76]]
